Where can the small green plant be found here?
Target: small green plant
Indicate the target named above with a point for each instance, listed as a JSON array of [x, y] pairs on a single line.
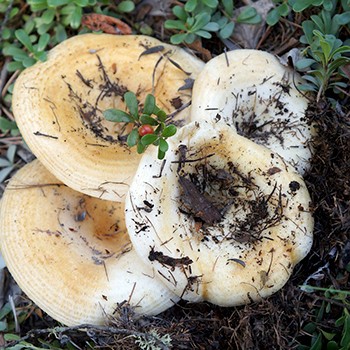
[[146, 130], [325, 57], [46, 22], [284, 7], [199, 18], [20, 56], [337, 335]]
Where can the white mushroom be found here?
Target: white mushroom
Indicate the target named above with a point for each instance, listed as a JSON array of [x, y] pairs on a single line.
[[258, 96], [71, 254], [58, 105], [223, 219]]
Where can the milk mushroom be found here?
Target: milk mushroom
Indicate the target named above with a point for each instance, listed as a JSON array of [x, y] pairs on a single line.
[[258, 96], [223, 219], [58, 105], [71, 254]]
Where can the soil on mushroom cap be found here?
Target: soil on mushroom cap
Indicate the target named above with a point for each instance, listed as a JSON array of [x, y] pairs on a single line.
[[209, 193]]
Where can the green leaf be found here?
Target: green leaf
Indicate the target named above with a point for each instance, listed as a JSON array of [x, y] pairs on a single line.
[[227, 30], [146, 119], [213, 4], [44, 28], [317, 345], [29, 26], [247, 15], [48, 15], [332, 345], [342, 18], [118, 116], [13, 66], [150, 103], [304, 63], [201, 20], [175, 24], [190, 38], [345, 340], [161, 115], [163, 145], [11, 337], [11, 152], [283, 9], [56, 3], [301, 5], [140, 148], [327, 5], [177, 39], [17, 53], [4, 173], [6, 125], [68, 9], [148, 139], [133, 138], [126, 6], [39, 5], [180, 13], [60, 33], [41, 56], [6, 33], [161, 154], [228, 7], [23, 37], [211, 27], [327, 335], [190, 5], [308, 27], [43, 42], [75, 19], [81, 3], [132, 103], [169, 131], [273, 17], [203, 34], [28, 62]]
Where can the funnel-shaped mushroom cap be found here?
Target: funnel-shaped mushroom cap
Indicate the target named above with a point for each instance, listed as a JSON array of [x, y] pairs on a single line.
[[58, 105], [258, 96], [71, 254], [226, 219]]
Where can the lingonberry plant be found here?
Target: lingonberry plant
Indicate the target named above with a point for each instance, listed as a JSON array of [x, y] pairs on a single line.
[[148, 126]]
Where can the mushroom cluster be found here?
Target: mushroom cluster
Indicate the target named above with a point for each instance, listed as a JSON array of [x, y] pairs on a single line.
[[92, 225]]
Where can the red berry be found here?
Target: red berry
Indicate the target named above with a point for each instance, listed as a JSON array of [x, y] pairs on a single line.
[[145, 129]]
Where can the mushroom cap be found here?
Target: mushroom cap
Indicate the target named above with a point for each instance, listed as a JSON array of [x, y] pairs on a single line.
[[71, 254], [58, 105], [264, 225], [258, 96]]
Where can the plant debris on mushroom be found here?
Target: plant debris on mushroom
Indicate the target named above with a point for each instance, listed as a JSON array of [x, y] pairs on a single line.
[[58, 105], [222, 219], [259, 97], [71, 254]]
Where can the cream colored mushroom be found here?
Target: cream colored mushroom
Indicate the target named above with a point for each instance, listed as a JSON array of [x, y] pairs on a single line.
[[258, 96], [223, 219], [58, 105], [71, 254]]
